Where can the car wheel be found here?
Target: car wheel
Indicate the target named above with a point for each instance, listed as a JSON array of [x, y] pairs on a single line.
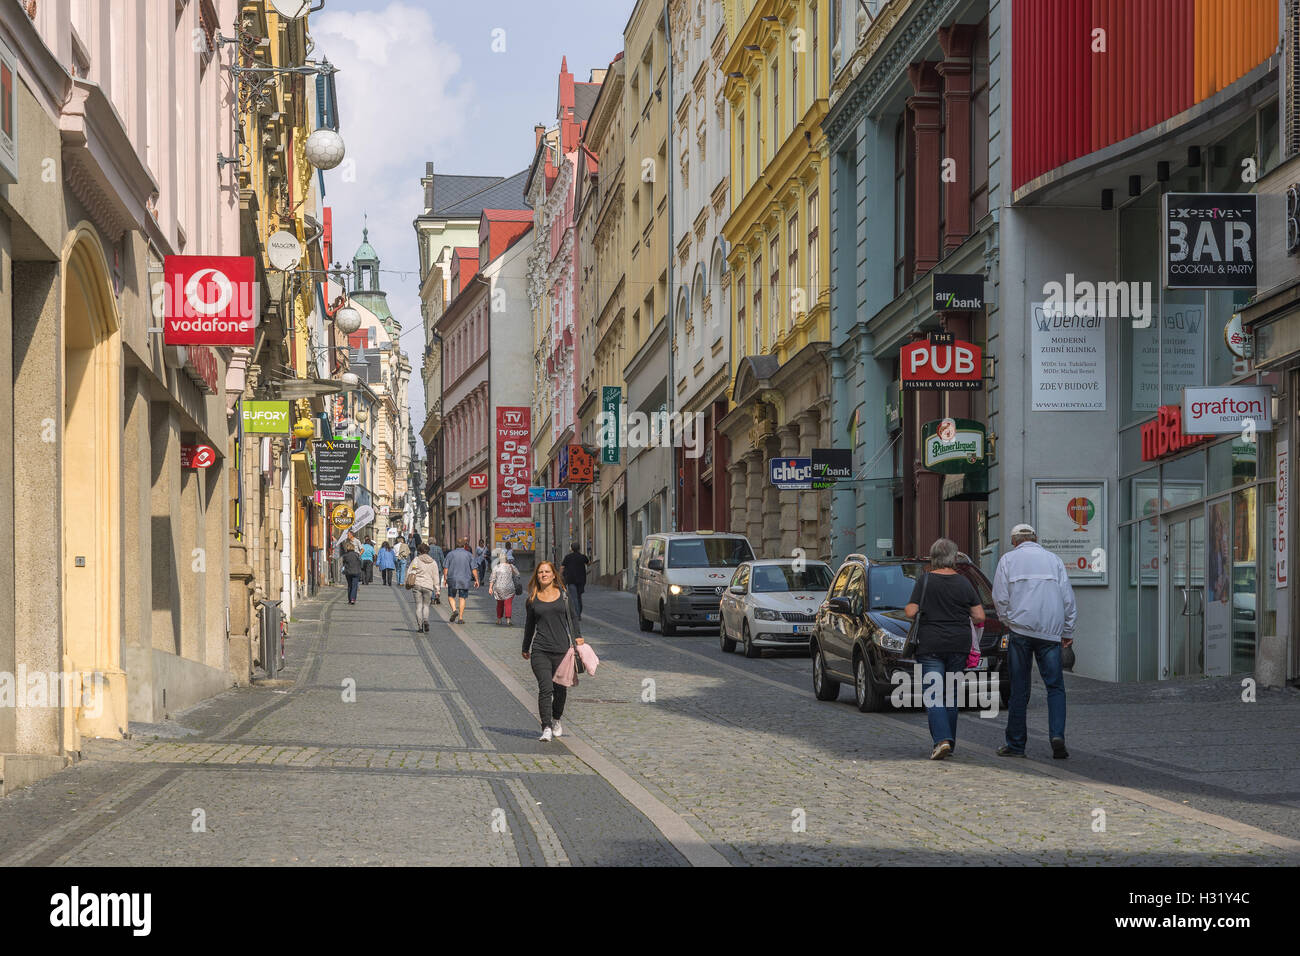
[[750, 650], [864, 688], [668, 629], [726, 643], [646, 625], [823, 687]]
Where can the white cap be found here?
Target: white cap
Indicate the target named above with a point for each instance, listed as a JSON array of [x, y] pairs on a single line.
[[1023, 529]]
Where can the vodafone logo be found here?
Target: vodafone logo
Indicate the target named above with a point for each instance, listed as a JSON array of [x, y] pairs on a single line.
[[225, 292], [207, 300]]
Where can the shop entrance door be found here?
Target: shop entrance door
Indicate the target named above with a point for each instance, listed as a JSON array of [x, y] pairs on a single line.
[[1184, 585]]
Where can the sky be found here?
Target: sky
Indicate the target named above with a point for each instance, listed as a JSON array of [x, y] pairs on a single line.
[[460, 84]]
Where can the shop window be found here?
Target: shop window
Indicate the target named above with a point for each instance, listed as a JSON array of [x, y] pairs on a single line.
[[1139, 348], [1182, 480]]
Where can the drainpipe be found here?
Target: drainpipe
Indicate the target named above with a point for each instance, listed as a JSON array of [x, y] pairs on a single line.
[[674, 479]]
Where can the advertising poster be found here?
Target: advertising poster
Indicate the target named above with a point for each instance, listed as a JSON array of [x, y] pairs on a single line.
[[1283, 513], [1070, 518], [1148, 503], [518, 534], [1218, 593], [1068, 361], [1176, 344], [513, 460]]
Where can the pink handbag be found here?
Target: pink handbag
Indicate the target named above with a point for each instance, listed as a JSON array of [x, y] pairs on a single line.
[[973, 658], [589, 658], [565, 675]]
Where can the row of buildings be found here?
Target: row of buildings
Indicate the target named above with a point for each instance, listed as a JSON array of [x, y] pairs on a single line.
[[977, 256], [155, 512]]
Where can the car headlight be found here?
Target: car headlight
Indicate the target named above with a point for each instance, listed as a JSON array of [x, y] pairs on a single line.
[[890, 642], [674, 589], [766, 614]]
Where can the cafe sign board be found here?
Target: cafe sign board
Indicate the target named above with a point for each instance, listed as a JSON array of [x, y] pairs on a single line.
[[266, 418], [953, 446]]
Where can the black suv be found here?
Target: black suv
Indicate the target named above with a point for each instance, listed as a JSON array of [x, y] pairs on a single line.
[[860, 629]]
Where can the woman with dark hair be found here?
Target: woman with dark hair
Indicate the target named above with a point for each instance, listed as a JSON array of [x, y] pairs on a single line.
[[948, 605], [549, 632], [351, 569]]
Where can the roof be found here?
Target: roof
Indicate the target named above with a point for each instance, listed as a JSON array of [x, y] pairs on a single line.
[[465, 252], [509, 215], [465, 197], [365, 250], [584, 98]]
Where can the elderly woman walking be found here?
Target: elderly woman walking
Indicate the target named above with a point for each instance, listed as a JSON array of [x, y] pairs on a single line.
[[501, 585], [422, 578], [948, 605]]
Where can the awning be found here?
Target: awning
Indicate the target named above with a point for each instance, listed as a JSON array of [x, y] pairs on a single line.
[[968, 487], [302, 476]]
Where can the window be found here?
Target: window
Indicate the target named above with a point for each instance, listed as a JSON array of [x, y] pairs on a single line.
[[794, 89], [792, 240], [756, 277], [814, 259], [979, 127], [901, 212], [740, 311], [758, 134], [773, 310], [812, 80], [776, 104], [740, 153]]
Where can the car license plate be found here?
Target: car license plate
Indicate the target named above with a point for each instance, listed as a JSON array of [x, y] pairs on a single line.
[[712, 617], [803, 628], [983, 665]]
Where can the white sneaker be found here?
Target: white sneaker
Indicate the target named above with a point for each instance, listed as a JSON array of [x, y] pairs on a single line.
[[557, 729], [546, 734]]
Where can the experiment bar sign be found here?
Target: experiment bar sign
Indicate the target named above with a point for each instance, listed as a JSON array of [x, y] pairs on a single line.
[[1210, 240], [513, 453], [611, 399]]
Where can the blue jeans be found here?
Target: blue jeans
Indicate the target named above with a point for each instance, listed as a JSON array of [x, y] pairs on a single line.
[[401, 572], [1022, 652], [575, 599], [353, 581], [943, 719]]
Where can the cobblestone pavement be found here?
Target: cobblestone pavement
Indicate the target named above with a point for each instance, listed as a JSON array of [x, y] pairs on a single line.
[[675, 753]]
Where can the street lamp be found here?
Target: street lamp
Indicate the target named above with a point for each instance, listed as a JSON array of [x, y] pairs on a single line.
[[347, 320], [324, 148]]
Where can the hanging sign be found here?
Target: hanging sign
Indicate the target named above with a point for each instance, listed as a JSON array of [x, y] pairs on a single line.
[[453, 499], [207, 300], [958, 292], [342, 516], [536, 494], [557, 494], [830, 465], [576, 466], [1283, 506], [611, 402], [513, 454], [953, 446], [1227, 409], [198, 456], [1240, 342], [266, 418], [8, 115], [790, 474], [942, 362], [1210, 240], [324, 496], [365, 515], [334, 459], [478, 482]]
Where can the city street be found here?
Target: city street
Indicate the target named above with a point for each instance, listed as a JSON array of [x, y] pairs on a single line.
[[382, 745]]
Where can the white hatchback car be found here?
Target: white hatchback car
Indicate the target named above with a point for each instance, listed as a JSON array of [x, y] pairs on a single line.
[[770, 604]]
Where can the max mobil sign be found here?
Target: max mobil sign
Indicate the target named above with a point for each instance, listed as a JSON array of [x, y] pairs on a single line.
[[207, 300]]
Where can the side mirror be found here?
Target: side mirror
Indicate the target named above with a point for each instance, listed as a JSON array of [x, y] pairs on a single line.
[[656, 564], [840, 605], [737, 589]]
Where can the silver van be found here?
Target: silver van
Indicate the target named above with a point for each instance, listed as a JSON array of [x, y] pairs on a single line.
[[681, 576]]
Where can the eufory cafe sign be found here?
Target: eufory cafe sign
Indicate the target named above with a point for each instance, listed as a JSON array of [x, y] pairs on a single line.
[[207, 300], [942, 362]]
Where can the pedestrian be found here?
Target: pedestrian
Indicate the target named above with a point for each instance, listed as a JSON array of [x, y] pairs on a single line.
[[1035, 602], [480, 562], [403, 554], [435, 552], [575, 576], [502, 585], [368, 561], [547, 629], [415, 542], [458, 571], [510, 552], [352, 569], [423, 580], [948, 604], [386, 561]]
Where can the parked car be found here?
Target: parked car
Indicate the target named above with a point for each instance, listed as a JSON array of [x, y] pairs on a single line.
[[770, 604], [680, 577], [860, 630]]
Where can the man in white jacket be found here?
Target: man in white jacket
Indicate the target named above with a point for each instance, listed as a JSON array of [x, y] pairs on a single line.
[[1035, 602]]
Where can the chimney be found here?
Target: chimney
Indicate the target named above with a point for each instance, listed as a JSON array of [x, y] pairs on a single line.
[[538, 132], [427, 182]]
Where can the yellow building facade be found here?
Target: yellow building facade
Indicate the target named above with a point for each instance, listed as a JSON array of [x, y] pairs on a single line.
[[778, 71]]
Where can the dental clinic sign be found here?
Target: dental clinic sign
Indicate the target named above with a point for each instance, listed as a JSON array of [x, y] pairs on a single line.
[[1210, 240], [207, 300], [1227, 409]]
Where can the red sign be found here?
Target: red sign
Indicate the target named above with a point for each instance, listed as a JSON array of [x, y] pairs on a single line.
[[1164, 435], [478, 482], [201, 365], [208, 300], [581, 466], [513, 458], [198, 456], [957, 365]]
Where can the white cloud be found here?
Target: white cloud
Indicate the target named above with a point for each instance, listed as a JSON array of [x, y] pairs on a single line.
[[401, 103]]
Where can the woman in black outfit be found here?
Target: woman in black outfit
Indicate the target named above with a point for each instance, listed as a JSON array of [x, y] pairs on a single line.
[[948, 604], [546, 641]]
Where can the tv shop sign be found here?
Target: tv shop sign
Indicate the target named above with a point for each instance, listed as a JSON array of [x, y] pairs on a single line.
[[207, 300]]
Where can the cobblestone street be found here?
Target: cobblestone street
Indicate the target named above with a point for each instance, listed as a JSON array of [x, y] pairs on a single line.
[[674, 754]]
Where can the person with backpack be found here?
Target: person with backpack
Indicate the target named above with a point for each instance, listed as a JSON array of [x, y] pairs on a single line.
[[351, 569], [948, 604], [422, 578], [503, 585], [549, 631]]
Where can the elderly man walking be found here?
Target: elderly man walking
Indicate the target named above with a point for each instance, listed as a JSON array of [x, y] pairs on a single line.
[[1034, 600]]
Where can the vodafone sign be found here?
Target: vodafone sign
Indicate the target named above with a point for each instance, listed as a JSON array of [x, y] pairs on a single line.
[[940, 364], [208, 300]]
